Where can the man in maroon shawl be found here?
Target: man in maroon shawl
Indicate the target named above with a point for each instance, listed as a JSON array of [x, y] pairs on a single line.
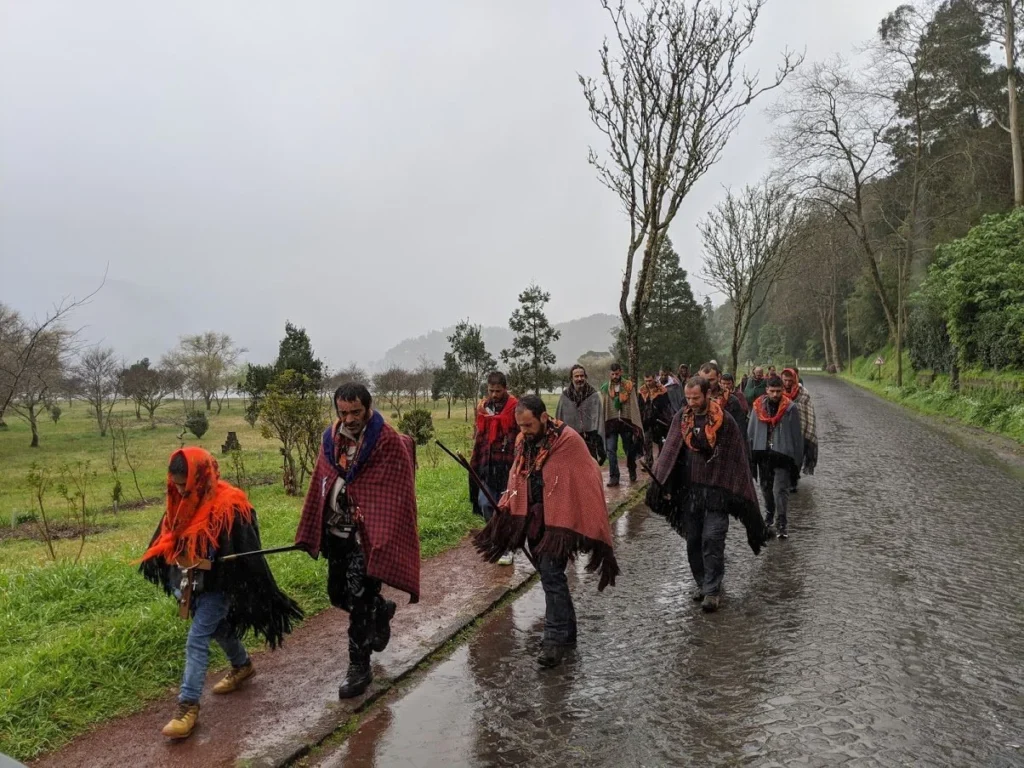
[[554, 506], [701, 478], [360, 513], [493, 447]]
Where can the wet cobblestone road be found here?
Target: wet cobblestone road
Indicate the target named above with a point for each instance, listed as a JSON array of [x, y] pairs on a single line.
[[889, 630]]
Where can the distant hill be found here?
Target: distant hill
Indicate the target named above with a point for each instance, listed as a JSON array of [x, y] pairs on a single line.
[[578, 336]]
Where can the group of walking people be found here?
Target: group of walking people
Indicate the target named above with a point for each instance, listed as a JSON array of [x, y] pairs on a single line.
[[536, 480]]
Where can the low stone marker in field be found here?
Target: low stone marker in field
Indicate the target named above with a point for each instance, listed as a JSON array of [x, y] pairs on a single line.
[[231, 444]]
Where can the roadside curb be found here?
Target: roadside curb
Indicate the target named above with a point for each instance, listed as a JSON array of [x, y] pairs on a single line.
[[339, 713]]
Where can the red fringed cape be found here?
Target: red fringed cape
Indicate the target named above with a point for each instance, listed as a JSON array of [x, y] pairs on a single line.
[[383, 495], [575, 512], [494, 444]]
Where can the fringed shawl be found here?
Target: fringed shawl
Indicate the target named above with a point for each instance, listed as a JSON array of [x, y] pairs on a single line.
[[574, 508]]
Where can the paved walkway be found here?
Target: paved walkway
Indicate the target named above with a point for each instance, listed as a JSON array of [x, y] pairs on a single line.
[[293, 700], [888, 630]]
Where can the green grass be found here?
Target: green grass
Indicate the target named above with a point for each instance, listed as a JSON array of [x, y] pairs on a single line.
[[996, 410], [83, 643]]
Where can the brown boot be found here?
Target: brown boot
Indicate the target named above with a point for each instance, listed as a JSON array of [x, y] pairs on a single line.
[[233, 679], [184, 721]]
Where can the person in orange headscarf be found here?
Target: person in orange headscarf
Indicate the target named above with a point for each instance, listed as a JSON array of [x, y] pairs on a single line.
[[206, 519]]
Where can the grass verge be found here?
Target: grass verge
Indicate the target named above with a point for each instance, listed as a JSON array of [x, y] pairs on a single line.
[[995, 409], [85, 642]]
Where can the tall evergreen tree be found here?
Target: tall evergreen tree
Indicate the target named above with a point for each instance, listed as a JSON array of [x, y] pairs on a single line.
[[296, 354], [674, 330], [530, 358]]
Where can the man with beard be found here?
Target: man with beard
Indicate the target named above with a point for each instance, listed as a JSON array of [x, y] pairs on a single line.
[[580, 408], [777, 445], [554, 506], [684, 374], [729, 403], [655, 414], [701, 478], [622, 420], [493, 446], [755, 386], [796, 392], [360, 513], [728, 383], [673, 387]]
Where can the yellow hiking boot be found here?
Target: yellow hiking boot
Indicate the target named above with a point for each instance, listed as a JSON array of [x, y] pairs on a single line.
[[183, 722], [235, 678]]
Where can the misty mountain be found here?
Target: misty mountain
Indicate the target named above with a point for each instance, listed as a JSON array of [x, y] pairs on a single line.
[[578, 336]]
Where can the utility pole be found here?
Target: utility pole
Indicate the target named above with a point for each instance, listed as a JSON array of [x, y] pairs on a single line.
[[849, 346]]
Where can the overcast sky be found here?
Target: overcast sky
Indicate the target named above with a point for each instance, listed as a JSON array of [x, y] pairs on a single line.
[[369, 170]]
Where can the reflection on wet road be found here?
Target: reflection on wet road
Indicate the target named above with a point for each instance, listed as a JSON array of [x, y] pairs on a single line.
[[889, 630]]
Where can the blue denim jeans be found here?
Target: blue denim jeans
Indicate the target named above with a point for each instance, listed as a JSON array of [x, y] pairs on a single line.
[[209, 622], [560, 615], [611, 441], [485, 506]]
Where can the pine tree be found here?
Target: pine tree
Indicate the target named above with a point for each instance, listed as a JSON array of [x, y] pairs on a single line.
[[296, 354], [674, 330], [530, 358]]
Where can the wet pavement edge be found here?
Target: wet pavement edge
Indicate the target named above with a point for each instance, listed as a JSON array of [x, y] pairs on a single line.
[[337, 716]]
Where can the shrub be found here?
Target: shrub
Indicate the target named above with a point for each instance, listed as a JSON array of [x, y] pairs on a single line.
[[417, 424], [55, 413], [197, 423]]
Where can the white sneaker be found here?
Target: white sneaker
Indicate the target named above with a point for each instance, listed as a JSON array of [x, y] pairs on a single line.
[[507, 559]]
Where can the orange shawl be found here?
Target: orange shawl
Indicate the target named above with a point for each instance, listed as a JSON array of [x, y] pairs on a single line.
[[762, 414], [714, 423], [193, 523], [656, 391]]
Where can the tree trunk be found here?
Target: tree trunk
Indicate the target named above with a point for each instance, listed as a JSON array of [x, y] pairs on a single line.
[[824, 338], [33, 423], [833, 338], [1009, 45], [736, 340]]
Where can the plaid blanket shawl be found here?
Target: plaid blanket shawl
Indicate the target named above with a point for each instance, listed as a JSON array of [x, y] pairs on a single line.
[[494, 445], [575, 512], [381, 487], [727, 471], [588, 416]]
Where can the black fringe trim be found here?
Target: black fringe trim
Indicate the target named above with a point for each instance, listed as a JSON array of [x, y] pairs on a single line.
[[562, 543], [504, 533]]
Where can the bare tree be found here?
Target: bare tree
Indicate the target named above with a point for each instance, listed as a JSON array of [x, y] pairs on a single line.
[[389, 385], [748, 246], [100, 375], [832, 144], [208, 361], [349, 374], [40, 374], [14, 364], [668, 100], [901, 74]]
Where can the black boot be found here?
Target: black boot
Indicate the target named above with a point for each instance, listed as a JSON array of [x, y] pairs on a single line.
[[382, 625], [551, 655], [357, 680]]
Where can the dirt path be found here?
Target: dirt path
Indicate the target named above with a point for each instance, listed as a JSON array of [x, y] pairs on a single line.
[[293, 700]]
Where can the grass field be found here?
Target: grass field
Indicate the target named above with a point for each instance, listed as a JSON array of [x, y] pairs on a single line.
[[83, 643]]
